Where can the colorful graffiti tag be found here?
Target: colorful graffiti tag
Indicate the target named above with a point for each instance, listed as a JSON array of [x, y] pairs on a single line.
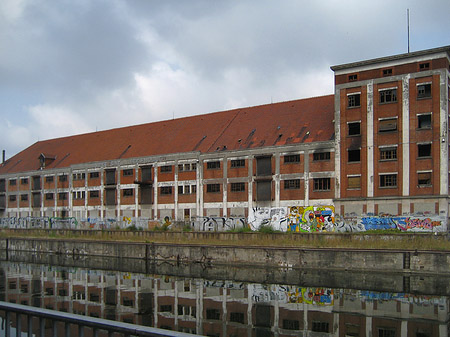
[[293, 219]]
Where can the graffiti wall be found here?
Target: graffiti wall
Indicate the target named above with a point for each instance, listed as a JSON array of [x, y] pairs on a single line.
[[293, 219], [39, 222], [218, 224]]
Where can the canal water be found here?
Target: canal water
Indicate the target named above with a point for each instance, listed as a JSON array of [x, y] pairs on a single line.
[[230, 301]]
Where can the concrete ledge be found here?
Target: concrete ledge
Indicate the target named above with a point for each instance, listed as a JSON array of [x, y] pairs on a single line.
[[279, 257]]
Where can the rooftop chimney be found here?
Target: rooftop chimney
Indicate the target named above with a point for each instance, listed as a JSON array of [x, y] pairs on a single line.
[[3, 156]]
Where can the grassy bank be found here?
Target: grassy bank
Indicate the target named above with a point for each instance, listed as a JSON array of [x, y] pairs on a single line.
[[365, 240]]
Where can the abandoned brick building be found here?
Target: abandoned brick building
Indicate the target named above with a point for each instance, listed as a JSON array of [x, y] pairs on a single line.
[[378, 145]]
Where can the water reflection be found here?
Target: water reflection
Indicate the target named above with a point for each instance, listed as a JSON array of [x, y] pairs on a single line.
[[230, 307]]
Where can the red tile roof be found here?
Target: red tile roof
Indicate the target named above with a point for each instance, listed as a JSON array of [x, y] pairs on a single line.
[[293, 122]]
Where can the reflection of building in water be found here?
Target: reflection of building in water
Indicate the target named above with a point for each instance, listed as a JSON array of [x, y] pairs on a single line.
[[225, 308]]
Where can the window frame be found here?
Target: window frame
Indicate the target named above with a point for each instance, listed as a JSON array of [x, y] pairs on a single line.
[[354, 100], [213, 188], [385, 150], [388, 180], [351, 155], [94, 194], [383, 124], [127, 192], [322, 156], [293, 158], [213, 165], [238, 187], [165, 169], [291, 184], [127, 172], [427, 147], [237, 163], [353, 186], [352, 128], [422, 121], [387, 95], [322, 184], [429, 180], [424, 93], [165, 190]]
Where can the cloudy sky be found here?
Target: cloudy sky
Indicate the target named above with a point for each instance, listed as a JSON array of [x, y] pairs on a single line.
[[69, 67]]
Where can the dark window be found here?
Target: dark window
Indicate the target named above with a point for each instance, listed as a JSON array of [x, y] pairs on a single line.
[[127, 192], [180, 167], [237, 163], [166, 169], [24, 197], [194, 189], [320, 326], [388, 96], [180, 189], [94, 175], [110, 177], [213, 314], [237, 317], [12, 197], [387, 72], [388, 124], [386, 332], [354, 128], [354, 100], [292, 158], [213, 188], [146, 173], [388, 153], [354, 156], [321, 156], [110, 196], [424, 90], [187, 167], [94, 194], [264, 190], [322, 184], [352, 77], [62, 178], [62, 196], [127, 172], [49, 196], [212, 165], [423, 150], [291, 324], [354, 182], [424, 121], [2, 185], [424, 178], [424, 66], [292, 184], [165, 308], [264, 166], [78, 176], [12, 182], [388, 180], [237, 187], [165, 190], [24, 181], [49, 179]]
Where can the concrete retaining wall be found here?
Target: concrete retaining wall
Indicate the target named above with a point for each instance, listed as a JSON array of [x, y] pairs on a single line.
[[289, 258]]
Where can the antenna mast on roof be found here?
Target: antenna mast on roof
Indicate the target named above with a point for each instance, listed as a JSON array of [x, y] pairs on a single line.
[[407, 20]]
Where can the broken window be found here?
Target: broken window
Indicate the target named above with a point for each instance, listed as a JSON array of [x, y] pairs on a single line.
[[165, 190], [424, 66], [237, 163], [424, 121], [387, 72], [388, 96], [166, 169], [387, 124], [354, 100], [354, 156], [213, 165], [292, 158], [322, 184], [111, 177], [424, 178], [48, 196], [424, 90], [23, 197], [352, 77], [213, 188], [127, 192], [94, 175], [127, 172], [93, 194], [237, 187], [12, 197], [388, 180], [354, 128], [321, 156], [292, 184], [424, 150]]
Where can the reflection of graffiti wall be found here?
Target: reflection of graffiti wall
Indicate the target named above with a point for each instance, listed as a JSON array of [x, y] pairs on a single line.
[[291, 294], [204, 223]]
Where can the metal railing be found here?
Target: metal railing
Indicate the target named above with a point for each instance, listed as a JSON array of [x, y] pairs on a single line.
[[48, 319]]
